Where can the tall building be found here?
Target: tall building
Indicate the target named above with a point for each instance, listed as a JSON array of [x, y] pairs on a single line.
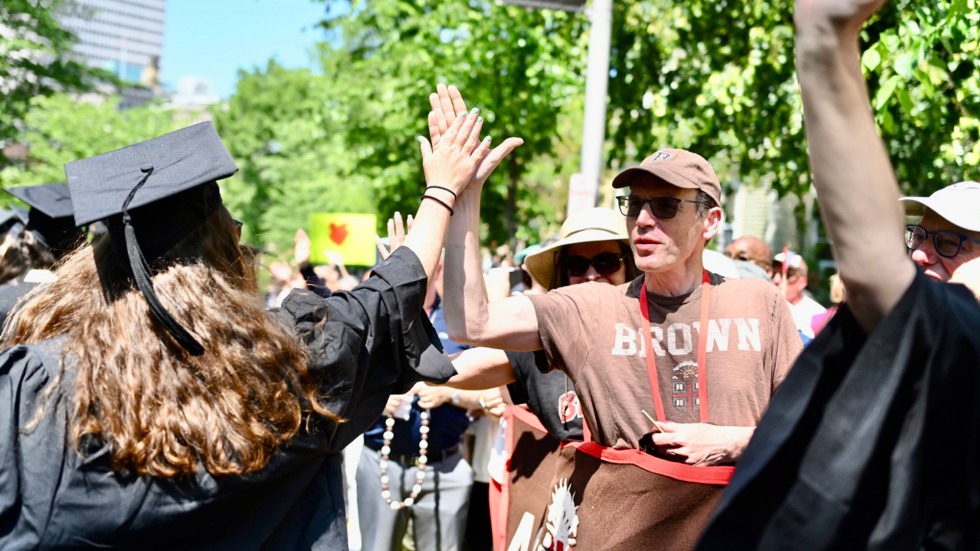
[[122, 36]]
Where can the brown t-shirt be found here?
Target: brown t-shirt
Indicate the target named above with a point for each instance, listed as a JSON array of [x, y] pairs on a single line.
[[593, 332]]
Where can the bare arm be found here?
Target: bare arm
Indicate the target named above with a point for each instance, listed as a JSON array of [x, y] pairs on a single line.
[[853, 175], [481, 368], [510, 323]]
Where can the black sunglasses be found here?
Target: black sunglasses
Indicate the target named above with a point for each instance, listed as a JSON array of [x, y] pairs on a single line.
[[604, 263], [663, 208], [947, 243]]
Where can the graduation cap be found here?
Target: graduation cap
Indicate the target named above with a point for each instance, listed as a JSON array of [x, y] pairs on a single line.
[[11, 221], [50, 216], [151, 195]]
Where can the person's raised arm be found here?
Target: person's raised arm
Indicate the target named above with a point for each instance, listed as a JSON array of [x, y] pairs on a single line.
[[855, 183], [510, 323], [449, 167], [481, 368]]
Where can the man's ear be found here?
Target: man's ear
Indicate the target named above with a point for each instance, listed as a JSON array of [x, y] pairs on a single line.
[[712, 223]]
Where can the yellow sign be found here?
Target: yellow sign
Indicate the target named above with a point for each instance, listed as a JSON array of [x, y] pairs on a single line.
[[349, 235]]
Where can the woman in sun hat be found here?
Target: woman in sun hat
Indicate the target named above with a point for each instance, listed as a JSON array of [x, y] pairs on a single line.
[[592, 246]]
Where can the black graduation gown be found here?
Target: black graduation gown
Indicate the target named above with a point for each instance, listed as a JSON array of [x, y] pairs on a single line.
[[366, 344], [10, 293], [873, 441]]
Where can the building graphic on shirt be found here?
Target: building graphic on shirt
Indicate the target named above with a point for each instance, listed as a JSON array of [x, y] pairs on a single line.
[[685, 386]]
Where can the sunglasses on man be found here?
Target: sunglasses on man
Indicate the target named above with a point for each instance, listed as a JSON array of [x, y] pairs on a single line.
[[947, 243], [663, 208], [604, 264]]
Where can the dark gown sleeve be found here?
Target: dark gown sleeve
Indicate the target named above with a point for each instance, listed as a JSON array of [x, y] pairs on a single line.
[[369, 343], [873, 441]]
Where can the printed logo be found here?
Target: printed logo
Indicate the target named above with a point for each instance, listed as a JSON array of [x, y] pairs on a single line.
[[561, 525], [569, 407], [660, 156], [684, 381]]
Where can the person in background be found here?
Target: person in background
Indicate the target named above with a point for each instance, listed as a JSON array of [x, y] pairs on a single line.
[[872, 441], [751, 250], [790, 274], [31, 250], [837, 296], [152, 400]]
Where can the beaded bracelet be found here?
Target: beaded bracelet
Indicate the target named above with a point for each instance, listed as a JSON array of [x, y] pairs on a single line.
[[440, 201], [451, 192]]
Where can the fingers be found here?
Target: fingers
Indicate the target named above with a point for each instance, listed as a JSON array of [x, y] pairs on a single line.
[[382, 250], [435, 129], [469, 132], [453, 131], [409, 222], [399, 228], [446, 102], [425, 147], [459, 105], [495, 156]]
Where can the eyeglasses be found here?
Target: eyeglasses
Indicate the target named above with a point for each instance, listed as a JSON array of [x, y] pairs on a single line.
[[663, 208], [604, 263], [946, 242]]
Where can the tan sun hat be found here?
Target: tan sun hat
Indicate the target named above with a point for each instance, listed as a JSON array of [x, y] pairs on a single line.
[[585, 226]]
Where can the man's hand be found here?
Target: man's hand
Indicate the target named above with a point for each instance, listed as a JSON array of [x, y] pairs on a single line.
[[431, 397], [447, 104], [848, 15], [703, 443], [394, 401]]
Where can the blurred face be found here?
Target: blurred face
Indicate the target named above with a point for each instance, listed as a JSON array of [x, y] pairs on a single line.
[[598, 260], [962, 268], [663, 245], [795, 282]]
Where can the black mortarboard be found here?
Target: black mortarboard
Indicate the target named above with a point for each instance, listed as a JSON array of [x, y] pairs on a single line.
[[50, 217], [11, 221], [151, 195]]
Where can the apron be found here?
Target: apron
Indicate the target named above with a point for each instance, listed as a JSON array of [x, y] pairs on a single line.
[[607, 498]]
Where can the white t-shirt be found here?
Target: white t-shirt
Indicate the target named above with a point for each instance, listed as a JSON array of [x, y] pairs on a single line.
[[803, 311]]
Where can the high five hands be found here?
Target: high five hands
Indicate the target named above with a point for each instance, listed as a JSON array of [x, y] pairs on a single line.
[[447, 106]]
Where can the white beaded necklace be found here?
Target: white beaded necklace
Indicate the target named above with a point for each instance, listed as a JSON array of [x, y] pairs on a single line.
[[422, 461]]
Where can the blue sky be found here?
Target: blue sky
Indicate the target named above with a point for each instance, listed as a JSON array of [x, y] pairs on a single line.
[[215, 38]]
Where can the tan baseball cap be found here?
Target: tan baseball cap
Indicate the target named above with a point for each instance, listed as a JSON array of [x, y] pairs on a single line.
[[959, 204], [677, 167]]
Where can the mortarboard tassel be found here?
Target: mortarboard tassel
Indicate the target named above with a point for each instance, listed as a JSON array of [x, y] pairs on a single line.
[[138, 265]]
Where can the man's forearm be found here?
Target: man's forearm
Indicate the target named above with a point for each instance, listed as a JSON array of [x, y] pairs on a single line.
[[464, 289]]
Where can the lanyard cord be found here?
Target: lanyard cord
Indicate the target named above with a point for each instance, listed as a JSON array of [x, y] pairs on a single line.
[[702, 349]]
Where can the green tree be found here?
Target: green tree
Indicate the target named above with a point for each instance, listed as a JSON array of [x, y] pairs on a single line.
[[59, 129], [284, 131], [35, 61], [719, 78], [523, 67]]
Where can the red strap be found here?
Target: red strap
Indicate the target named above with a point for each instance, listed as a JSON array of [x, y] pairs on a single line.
[[714, 474], [702, 350]]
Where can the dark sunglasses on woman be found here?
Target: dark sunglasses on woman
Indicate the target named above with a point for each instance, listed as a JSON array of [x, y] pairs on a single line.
[[604, 263]]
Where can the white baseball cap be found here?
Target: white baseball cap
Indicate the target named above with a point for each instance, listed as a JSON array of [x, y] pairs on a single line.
[[959, 204]]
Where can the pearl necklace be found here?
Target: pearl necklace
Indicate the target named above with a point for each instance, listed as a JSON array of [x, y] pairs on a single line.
[[422, 461]]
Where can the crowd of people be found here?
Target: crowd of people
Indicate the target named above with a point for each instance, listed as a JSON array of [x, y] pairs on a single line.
[[156, 397]]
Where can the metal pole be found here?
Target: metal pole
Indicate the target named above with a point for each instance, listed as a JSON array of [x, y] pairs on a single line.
[[584, 187]]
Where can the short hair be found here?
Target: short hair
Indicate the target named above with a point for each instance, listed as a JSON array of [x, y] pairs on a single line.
[[705, 203]]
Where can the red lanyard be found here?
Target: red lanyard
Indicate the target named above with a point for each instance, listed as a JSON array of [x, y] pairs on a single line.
[[702, 348]]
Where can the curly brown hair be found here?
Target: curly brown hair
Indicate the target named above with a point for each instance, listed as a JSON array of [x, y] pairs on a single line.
[[160, 410]]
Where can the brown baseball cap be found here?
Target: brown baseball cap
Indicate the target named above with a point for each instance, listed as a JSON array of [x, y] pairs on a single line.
[[677, 167]]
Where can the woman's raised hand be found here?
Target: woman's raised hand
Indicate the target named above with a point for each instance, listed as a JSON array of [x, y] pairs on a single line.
[[453, 159]]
